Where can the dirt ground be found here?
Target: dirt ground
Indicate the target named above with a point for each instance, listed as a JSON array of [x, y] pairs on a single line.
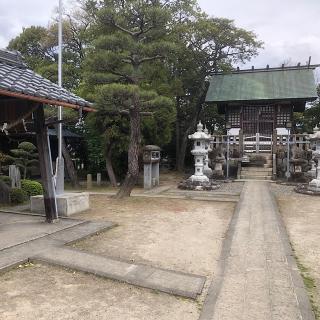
[[181, 235], [301, 215], [46, 292]]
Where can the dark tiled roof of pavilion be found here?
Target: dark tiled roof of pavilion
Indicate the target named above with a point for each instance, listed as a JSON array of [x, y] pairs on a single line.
[[15, 77], [263, 84]]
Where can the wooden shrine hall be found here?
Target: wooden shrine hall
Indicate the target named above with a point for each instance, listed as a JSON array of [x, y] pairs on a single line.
[[260, 102], [23, 94]]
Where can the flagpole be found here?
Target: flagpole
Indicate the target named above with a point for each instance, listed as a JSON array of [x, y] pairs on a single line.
[[60, 161]]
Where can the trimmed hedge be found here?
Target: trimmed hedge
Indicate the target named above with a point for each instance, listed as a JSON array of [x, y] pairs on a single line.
[[31, 188], [17, 196], [6, 180]]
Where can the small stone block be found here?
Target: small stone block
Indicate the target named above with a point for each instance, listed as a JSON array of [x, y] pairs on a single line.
[[68, 203]]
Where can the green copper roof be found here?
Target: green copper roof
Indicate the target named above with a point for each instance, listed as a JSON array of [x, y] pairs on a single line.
[[263, 85]]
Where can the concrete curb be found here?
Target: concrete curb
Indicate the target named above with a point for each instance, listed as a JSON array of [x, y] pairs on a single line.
[[208, 308], [168, 281], [301, 293]]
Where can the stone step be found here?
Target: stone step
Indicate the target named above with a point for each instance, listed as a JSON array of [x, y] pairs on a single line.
[[177, 283], [256, 174], [253, 177], [265, 155], [256, 169]]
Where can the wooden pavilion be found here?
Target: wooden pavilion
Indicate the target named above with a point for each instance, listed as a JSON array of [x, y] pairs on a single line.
[[23, 95], [259, 103]]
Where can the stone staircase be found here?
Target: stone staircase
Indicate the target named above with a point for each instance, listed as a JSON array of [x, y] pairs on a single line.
[[254, 172]]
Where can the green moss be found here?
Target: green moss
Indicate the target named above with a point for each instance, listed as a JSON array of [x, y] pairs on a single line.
[[311, 287]]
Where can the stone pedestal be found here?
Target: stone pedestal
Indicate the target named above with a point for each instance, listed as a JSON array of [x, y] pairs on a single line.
[[67, 203]]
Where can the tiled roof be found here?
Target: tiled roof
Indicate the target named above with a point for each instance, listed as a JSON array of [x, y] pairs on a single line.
[[16, 77], [263, 85]]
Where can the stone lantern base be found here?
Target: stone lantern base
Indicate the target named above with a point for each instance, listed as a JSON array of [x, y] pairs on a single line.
[[206, 185], [312, 189], [314, 185]]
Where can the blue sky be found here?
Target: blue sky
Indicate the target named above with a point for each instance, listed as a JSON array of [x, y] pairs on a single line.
[[289, 28]]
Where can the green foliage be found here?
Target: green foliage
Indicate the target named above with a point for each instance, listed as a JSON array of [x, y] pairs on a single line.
[[131, 37], [6, 180], [17, 196], [31, 188], [5, 159], [25, 157], [153, 56]]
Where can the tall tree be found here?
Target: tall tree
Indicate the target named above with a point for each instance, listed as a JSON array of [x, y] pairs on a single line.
[[208, 45], [131, 35]]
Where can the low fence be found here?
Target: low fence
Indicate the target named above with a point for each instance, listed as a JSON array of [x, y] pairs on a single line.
[[259, 143]]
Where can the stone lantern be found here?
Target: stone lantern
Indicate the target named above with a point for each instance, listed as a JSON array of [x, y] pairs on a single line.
[[151, 161], [200, 152]]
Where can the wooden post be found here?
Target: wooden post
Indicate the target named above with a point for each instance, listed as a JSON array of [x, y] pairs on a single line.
[[45, 166], [274, 141], [89, 181], [241, 143]]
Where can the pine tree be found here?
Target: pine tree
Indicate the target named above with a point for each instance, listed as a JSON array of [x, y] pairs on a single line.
[[131, 36]]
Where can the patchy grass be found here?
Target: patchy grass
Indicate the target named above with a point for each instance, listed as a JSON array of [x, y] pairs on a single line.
[[311, 287]]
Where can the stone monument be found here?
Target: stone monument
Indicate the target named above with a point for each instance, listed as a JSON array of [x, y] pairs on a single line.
[[151, 160]]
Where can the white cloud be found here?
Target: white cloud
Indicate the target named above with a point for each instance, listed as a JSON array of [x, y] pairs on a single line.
[[16, 14], [288, 28]]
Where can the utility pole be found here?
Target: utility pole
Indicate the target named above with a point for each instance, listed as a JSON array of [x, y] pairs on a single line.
[[60, 160]]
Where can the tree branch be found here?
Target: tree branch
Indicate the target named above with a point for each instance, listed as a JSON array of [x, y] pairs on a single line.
[[150, 58]]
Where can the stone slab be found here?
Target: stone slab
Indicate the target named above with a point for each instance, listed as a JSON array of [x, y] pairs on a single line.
[[16, 229], [181, 284], [83, 230], [68, 203]]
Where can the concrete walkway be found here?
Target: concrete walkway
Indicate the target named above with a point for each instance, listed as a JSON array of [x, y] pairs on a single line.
[[258, 277]]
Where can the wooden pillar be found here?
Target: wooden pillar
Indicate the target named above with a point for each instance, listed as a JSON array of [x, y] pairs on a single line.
[[274, 141], [241, 142], [45, 166]]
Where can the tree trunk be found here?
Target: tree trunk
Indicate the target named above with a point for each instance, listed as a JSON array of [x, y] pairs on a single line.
[[25, 172], [133, 155], [72, 173], [177, 135], [109, 167], [191, 127]]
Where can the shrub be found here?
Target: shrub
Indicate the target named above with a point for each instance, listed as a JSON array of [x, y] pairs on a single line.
[[31, 188], [6, 180], [17, 196]]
